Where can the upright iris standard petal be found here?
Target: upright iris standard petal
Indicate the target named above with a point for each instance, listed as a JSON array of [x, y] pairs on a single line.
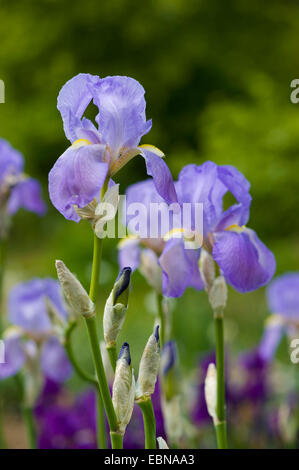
[[27, 306], [54, 361], [199, 184], [77, 178], [238, 185], [11, 161], [244, 260], [157, 168], [270, 340], [72, 101], [179, 268], [26, 194], [283, 295], [121, 117], [14, 357]]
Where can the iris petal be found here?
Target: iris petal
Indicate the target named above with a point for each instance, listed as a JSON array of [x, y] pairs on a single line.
[[179, 268], [283, 295], [26, 194], [54, 361], [244, 260], [157, 168], [14, 357], [129, 253], [72, 101], [76, 178], [121, 117]]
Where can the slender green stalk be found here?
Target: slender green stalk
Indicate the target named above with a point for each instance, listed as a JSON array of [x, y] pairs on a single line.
[[112, 356], [30, 427], [161, 316], [98, 363], [116, 440], [101, 431], [220, 408], [149, 422]]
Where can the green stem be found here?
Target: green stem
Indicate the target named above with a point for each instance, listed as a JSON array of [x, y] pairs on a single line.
[[30, 426], [149, 422], [116, 440], [112, 356], [101, 431], [98, 363], [220, 408], [161, 316]]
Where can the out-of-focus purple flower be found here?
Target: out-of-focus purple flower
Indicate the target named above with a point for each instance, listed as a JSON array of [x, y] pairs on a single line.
[[283, 303], [65, 423], [16, 189], [179, 265], [247, 383], [244, 261], [283, 295], [99, 151], [27, 310], [27, 306]]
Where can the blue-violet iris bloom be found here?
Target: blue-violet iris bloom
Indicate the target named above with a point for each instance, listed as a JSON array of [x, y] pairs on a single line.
[[244, 261], [17, 190], [27, 310], [283, 303], [98, 151]]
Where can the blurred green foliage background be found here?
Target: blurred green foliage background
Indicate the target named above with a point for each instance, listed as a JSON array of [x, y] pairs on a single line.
[[217, 78]]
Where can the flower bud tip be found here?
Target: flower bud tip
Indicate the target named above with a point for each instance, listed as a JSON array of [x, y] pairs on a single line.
[[125, 353]]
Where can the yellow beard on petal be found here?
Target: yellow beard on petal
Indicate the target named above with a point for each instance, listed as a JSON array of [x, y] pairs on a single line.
[[236, 228], [80, 142]]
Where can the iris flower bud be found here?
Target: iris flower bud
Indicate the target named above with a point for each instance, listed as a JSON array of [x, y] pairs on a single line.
[[162, 444], [218, 296], [207, 269], [75, 294], [211, 392], [149, 365], [116, 307], [123, 392]]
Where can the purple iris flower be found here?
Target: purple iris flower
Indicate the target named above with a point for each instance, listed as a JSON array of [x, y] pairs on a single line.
[[283, 303], [27, 311], [68, 423], [16, 189], [100, 150], [244, 261]]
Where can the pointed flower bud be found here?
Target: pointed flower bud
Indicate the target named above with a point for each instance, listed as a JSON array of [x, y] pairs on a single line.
[[211, 392], [149, 366], [75, 294], [116, 307], [123, 392], [218, 296], [162, 444], [207, 269]]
